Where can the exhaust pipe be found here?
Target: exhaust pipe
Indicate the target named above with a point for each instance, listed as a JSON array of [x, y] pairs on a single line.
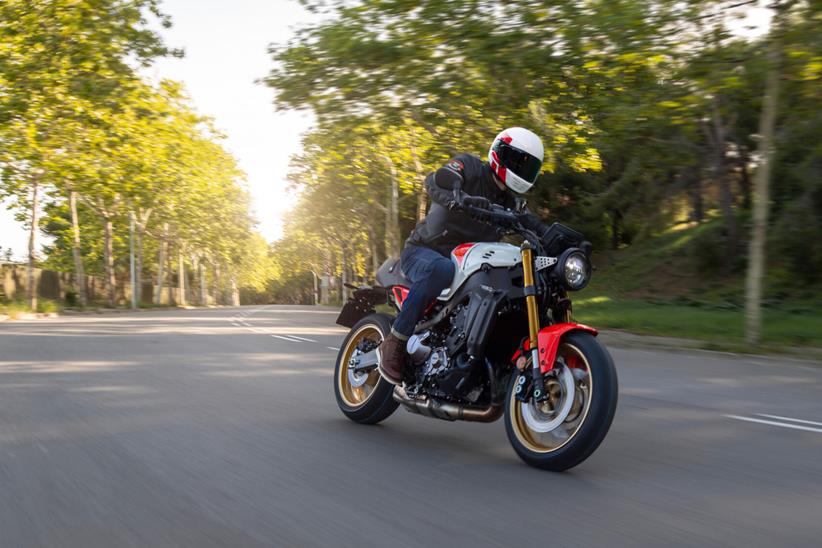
[[446, 410]]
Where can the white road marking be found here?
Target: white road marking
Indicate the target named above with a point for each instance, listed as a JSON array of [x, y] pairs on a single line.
[[285, 338], [774, 423], [789, 419], [302, 338], [239, 321]]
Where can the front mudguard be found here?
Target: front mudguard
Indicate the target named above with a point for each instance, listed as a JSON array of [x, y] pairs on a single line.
[[548, 340], [361, 303]]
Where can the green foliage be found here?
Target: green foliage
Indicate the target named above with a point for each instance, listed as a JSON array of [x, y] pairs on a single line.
[[77, 118], [648, 110], [47, 306], [781, 327]]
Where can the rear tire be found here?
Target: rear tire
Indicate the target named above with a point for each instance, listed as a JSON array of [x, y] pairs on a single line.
[[372, 401], [547, 449]]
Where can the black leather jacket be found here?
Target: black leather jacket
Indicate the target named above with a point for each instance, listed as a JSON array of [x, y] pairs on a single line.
[[445, 227]]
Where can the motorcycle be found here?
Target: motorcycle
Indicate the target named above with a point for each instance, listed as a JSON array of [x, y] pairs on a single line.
[[500, 341]]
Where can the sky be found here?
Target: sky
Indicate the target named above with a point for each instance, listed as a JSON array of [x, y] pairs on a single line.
[[225, 47]]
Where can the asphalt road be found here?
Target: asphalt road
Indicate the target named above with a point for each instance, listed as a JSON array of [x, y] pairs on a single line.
[[219, 428]]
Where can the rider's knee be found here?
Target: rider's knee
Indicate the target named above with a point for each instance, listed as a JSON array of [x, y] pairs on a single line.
[[443, 272]]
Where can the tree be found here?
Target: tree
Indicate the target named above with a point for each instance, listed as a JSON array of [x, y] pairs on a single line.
[[49, 81]]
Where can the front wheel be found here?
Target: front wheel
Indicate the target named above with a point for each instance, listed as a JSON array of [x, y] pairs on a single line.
[[363, 397], [564, 430]]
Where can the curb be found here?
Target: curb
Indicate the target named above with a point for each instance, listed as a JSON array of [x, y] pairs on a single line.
[[29, 316]]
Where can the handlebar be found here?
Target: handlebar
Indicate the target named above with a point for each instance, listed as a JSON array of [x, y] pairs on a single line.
[[506, 222], [494, 215]]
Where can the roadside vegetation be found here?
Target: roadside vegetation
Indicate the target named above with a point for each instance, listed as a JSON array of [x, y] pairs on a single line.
[[657, 287], [683, 144], [97, 156]]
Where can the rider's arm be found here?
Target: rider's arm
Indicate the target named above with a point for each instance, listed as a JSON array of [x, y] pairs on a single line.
[[441, 184]]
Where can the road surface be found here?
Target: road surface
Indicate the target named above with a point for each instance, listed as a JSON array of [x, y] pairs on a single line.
[[219, 427]]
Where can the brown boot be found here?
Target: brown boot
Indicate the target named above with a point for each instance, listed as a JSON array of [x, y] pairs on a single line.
[[392, 358]]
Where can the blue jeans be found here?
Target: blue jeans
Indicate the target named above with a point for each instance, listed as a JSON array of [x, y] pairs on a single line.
[[429, 273]]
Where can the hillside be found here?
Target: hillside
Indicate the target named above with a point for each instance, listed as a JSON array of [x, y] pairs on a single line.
[[672, 285]]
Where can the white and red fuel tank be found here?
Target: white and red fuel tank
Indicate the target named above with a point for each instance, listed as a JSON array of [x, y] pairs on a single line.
[[468, 258]]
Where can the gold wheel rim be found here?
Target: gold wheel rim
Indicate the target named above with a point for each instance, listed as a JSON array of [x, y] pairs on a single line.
[[357, 396], [553, 441]]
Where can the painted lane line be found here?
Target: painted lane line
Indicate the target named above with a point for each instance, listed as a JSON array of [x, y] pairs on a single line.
[[332, 348], [774, 423], [302, 338], [285, 338], [789, 419]]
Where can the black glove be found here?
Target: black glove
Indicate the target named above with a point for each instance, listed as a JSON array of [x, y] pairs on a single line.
[[477, 201]]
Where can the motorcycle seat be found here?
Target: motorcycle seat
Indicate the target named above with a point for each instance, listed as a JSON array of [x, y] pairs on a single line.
[[390, 273]]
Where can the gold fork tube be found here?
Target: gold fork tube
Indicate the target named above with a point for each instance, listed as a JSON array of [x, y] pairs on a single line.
[[530, 300]]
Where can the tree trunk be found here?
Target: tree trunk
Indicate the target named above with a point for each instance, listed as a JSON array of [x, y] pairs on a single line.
[[392, 219], [158, 296], [141, 218], [725, 196], [372, 245], [235, 292], [692, 181], [138, 267], [35, 204], [111, 283], [344, 280], [325, 285], [181, 277], [79, 272], [422, 195], [170, 267], [422, 203], [761, 194], [203, 289], [218, 289], [744, 178]]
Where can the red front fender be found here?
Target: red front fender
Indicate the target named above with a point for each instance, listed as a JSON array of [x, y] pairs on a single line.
[[548, 341]]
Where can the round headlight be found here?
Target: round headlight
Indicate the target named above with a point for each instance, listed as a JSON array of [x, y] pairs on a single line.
[[575, 269]]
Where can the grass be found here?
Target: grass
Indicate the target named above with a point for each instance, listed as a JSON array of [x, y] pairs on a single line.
[[47, 306], [15, 309], [653, 287], [715, 325]]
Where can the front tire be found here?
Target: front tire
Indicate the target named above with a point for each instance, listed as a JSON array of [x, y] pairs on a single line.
[[365, 398], [540, 434]]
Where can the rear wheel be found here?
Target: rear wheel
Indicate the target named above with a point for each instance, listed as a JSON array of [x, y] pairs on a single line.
[[564, 430], [363, 397]]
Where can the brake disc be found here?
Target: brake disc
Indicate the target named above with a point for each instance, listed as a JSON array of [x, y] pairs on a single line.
[[542, 422], [357, 378]]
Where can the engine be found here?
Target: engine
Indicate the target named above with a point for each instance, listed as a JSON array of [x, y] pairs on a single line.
[[439, 373]]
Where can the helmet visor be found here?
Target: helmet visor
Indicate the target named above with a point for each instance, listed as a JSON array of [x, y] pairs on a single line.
[[520, 162]]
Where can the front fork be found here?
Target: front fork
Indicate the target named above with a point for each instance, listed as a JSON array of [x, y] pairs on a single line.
[[530, 291]]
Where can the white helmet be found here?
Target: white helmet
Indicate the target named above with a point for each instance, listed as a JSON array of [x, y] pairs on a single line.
[[516, 157]]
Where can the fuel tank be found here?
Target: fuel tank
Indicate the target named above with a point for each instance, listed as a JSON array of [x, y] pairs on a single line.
[[469, 258]]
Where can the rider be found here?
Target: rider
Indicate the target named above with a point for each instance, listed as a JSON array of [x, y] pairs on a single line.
[[514, 161]]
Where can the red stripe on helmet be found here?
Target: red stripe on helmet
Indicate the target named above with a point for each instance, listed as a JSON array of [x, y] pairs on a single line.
[[498, 168]]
